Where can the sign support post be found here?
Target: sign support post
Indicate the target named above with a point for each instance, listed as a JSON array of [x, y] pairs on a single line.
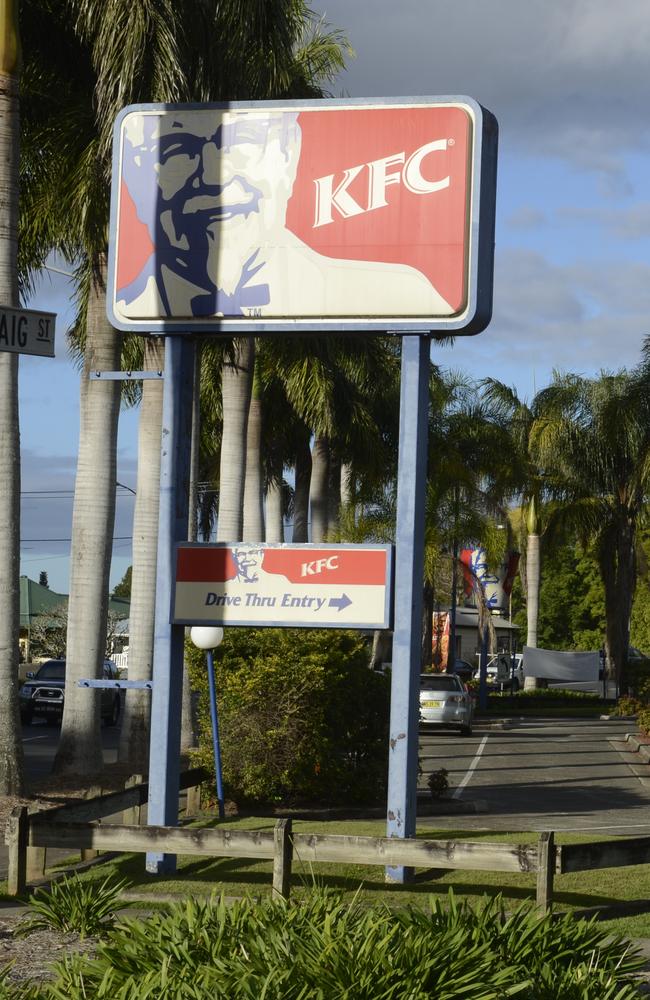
[[165, 739], [409, 570]]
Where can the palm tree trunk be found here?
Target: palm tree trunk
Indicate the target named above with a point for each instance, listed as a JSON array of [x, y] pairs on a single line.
[[532, 579], [11, 750], [274, 511], [318, 494], [93, 516], [618, 569], [253, 529], [303, 469], [236, 385], [333, 496], [532, 599], [134, 737]]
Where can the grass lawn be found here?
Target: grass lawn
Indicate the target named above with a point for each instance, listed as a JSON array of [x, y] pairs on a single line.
[[240, 877]]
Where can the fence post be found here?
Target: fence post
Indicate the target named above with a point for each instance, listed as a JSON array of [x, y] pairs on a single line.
[[545, 870], [35, 863], [282, 858], [88, 853], [132, 815], [193, 801], [16, 841]]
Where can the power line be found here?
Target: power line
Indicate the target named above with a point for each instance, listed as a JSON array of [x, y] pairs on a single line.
[[117, 538]]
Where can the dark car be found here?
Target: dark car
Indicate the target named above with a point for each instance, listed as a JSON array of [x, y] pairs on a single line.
[[463, 669], [42, 694]]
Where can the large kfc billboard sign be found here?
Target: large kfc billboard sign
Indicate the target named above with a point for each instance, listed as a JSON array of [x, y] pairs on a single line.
[[319, 215]]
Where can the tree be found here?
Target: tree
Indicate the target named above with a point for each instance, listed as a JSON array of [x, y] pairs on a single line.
[[11, 756], [131, 52], [592, 439], [42, 579], [123, 588], [134, 735], [517, 418]]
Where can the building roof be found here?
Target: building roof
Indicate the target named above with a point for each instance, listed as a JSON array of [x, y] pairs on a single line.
[[38, 600]]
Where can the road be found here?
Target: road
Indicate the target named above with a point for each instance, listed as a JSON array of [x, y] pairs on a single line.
[[544, 775], [41, 739]]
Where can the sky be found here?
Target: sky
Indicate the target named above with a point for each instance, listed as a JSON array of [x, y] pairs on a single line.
[[568, 83]]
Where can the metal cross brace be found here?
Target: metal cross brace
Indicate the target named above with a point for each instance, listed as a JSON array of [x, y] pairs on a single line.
[[125, 376], [147, 685]]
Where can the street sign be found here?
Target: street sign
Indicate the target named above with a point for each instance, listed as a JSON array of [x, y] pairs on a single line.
[[310, 586], [25, 331]]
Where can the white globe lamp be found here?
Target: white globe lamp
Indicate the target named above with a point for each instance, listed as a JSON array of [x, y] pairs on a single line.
[[206, 636]]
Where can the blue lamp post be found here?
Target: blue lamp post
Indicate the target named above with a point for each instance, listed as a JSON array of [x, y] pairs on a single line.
[[208, 637]]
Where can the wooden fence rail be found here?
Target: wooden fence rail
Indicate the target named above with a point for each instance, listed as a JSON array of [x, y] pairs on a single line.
[[27, 860], [77, 827]]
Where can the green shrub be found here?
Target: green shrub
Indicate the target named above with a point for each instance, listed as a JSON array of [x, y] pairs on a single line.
[[301, 717], [643, 721], [627, 705], [438, 782], [323, 948], [547, 694], [643, 690], [73, 905]]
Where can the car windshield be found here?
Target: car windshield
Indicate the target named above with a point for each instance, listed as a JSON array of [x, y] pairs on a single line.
[[53, 670], [439, 683]]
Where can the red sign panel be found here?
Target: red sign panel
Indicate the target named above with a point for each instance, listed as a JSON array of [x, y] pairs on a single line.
[[246, 217]]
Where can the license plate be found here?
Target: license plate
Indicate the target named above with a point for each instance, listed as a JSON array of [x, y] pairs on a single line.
[[431, 704]]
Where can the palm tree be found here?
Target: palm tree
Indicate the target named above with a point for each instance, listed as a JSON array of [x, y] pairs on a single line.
[[592, 439], [134, 736], [517, 419], [236, 390], [131, 52], [11, 767]]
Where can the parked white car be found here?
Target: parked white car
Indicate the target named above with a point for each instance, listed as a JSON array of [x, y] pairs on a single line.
[[446, 702], [500, 671]]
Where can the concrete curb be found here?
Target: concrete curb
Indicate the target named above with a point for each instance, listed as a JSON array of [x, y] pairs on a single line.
[[638, 746]]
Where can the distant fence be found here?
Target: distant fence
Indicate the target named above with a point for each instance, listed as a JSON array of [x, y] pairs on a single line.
[[75, 826]]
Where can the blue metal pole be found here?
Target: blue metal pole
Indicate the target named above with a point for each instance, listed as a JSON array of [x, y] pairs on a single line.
[[214, 715], [165, 735], [409, 573]]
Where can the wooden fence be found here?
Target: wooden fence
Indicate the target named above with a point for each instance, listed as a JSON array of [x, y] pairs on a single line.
[[28, 835]]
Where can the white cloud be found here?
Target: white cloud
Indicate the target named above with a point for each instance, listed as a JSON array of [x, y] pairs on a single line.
[[564, 77], [631, 223], [525, 218]]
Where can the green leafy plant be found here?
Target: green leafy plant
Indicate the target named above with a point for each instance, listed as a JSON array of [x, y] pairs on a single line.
[[322, 947], [438, 782], [301, 717], [643, 721], [74, 905], [627, 705]]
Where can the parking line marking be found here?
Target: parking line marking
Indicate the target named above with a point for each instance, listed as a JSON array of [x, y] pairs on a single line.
[[459, 790], [30, 739]]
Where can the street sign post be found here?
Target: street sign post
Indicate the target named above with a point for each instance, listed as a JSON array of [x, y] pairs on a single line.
[[299, 586], [25, 331]]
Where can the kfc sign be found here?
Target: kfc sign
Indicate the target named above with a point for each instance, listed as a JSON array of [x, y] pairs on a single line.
[[317, 215]]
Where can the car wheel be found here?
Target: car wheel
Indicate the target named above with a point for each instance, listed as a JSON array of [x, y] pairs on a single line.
[[26, 718], [114, 717]]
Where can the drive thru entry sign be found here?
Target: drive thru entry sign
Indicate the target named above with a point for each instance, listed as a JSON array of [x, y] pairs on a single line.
[[311, 586]]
